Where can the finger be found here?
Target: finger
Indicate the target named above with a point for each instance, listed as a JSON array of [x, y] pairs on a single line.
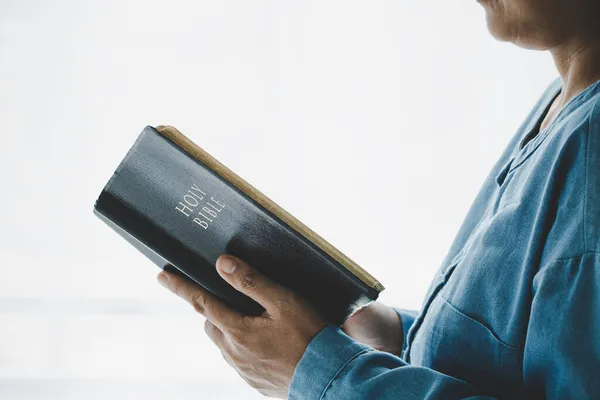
[[226, 353], [214, 333], [252, 283], [202, 300], [227, 359]]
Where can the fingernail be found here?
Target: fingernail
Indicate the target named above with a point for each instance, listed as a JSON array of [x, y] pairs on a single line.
[[163, 279], [227, 265]]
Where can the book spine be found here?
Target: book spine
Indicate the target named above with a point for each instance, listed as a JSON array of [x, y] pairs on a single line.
[[178, 212]]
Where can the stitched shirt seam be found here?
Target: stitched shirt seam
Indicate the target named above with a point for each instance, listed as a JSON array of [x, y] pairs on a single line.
[[587, 253], [586, 171]]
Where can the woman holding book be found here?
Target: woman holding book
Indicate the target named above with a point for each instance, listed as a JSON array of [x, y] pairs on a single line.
[[514, 311]]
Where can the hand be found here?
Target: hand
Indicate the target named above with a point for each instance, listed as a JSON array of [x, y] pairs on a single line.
[[264, 350], [378, 326]]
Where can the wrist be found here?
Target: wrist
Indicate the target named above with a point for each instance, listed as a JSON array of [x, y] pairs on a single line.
[[394, 339]]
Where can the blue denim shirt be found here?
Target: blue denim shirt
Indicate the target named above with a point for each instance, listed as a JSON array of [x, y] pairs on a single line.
[[514, 310]]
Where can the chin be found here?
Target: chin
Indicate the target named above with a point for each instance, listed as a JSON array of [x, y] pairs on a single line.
[[499, 30], [498, 23], [504, 30]]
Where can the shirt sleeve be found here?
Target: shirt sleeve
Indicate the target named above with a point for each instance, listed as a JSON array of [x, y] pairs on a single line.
[[407, 317], [335, 366], [561, 355], [562, 351]]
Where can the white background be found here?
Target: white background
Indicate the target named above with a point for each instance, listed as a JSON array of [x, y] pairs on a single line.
[[373, 122]]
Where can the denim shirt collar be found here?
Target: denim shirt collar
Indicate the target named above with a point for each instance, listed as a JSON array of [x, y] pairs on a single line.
[[520, 154]]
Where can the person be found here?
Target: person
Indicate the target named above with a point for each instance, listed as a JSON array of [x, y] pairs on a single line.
[[514, 311]]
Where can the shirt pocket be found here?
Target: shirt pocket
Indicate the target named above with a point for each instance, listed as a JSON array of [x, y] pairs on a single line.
[[455, 344], [438, 283]]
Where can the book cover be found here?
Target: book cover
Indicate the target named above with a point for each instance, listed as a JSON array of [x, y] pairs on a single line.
[[182, 208]]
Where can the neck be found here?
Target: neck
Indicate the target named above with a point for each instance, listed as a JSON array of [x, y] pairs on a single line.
[[578, 63]]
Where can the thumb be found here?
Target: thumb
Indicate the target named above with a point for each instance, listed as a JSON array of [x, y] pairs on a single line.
[[250, 282]]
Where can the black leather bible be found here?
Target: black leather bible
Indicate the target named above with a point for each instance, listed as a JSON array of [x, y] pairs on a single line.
[[182, 208]]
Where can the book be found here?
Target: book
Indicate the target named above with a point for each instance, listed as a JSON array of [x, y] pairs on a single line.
[[182, 209]]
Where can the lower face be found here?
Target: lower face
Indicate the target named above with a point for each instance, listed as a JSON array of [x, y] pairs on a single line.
[[496, 19], [538, 24]]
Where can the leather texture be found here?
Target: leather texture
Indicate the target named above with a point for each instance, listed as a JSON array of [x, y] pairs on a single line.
[[140, 203]]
